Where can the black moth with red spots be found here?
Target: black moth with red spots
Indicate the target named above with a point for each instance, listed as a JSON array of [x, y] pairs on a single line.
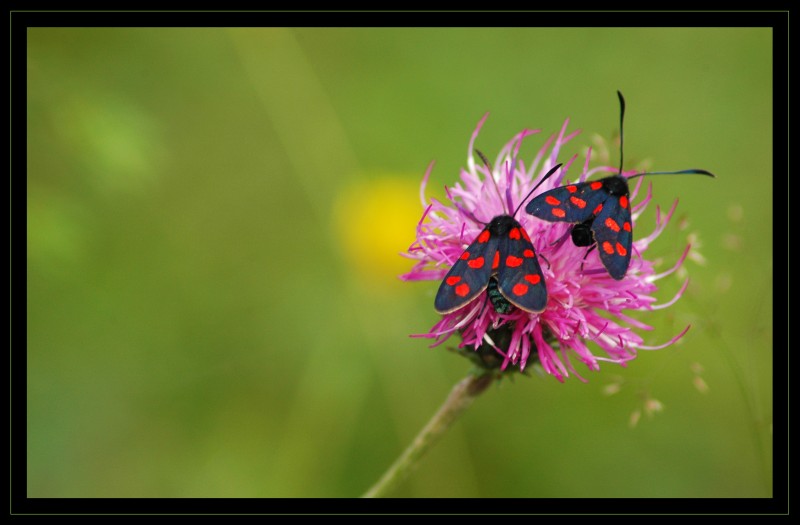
[[600, 211], [502, 248], [502, 251]]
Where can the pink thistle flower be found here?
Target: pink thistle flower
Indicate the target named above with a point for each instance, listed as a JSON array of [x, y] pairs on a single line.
[[585, 305]]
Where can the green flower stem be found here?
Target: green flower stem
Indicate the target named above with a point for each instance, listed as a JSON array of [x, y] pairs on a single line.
[[462, 396]]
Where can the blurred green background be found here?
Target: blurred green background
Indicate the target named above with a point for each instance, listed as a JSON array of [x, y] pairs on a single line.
[[214, 218]]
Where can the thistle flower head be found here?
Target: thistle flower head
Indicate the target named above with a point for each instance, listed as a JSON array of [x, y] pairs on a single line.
[[586, 308]]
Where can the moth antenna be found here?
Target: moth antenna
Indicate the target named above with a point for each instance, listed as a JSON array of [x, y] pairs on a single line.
[[681, 172], [461, 209], [546, 176], [621, 119], [491, 175]]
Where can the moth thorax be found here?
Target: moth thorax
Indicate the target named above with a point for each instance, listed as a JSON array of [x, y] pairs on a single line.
[[502, 224], [582, 233], [616, 185]]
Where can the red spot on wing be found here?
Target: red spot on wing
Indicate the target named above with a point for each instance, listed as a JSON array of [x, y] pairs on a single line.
[[462, 290], [496, 260], [520, 289], [464, 256], [453, 279], [626, 226], [621, 250], [475, 263], [533, 278], [552, 200], [514, 234], [528, 253], [558, 212], [598, 209], [623, 201], [572, 188], [513, 262], [608, 248], [596, 185], [580, 203], [484, 236], [612, 224]]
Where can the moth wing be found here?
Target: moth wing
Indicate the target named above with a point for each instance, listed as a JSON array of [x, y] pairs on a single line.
[[612, 230], [469, 276], [519, 275], [570, 203]]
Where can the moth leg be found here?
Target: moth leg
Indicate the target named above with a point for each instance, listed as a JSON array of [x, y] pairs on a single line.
[[592, 247]]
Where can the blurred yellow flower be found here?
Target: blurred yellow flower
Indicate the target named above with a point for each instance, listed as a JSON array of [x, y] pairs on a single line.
[[373, 220]]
